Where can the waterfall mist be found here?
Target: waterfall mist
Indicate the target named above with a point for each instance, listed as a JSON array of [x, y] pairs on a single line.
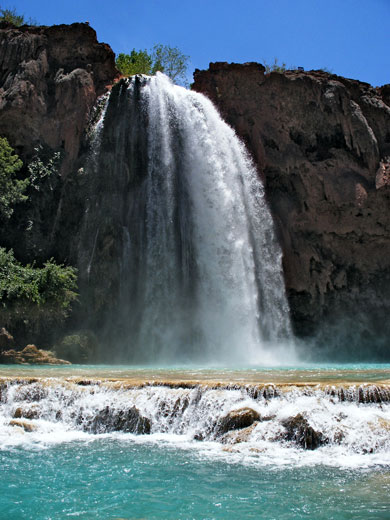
[[177, 252]]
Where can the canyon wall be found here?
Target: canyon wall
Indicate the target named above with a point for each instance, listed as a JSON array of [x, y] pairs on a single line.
[[50, 79], [322, 146]]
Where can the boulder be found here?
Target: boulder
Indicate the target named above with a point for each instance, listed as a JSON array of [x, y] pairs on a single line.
[[28, 413], [27, 427], [239, 436], [129, 421], [299, 431], [237, 419]]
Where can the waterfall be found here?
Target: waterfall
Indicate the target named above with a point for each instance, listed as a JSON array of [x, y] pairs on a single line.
[[177, 242]]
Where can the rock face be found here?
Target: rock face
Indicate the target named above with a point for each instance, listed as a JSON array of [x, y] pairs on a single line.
[[6, 340], [322, 146], [50, 78]]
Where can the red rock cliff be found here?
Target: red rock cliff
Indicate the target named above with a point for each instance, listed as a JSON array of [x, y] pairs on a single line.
[[50, 78], [322, 146]]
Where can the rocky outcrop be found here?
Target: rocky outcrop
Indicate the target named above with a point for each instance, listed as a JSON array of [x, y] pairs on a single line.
[[322, 146], [50, 78], [31, 355]]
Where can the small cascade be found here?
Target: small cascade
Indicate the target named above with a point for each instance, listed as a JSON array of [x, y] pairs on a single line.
[[331, 420], [177, 253]]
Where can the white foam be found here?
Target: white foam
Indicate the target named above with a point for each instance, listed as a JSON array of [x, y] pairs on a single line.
[[356, 434]]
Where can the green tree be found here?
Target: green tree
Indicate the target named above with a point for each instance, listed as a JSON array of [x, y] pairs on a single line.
[[34, 298], [44, 167], [137, 62], [11, 189], [169, 60], [11, 16]]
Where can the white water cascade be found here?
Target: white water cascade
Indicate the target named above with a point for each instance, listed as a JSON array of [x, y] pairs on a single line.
[[199, 268], [332, 424]]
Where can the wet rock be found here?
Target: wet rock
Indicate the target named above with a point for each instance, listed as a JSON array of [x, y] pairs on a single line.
[[31, 393], [31, 355], [299, 431], [28, 413], [129, 421], [27, 427], [18, 413], [237, 419], [239, 436]]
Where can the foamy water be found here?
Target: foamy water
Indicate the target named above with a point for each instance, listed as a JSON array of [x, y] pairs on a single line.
[[351, 419]]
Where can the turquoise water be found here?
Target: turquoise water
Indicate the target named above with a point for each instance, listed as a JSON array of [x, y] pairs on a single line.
[[59, 468], [316, 372], [121, 478]]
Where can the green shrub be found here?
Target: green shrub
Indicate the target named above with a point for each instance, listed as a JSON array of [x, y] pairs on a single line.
[[77, 348], [43, 167], [34, 298], [11, 189], [275, 66], [164, 58], [11, 16]]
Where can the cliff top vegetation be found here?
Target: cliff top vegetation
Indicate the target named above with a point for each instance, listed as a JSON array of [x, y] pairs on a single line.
[[17, 19], [163, 58]]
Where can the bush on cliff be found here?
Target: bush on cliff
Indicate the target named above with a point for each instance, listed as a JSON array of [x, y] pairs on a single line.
[[33, 300], [11, 189], [164, 58], [275, 66], [137, 62], [11, 16]]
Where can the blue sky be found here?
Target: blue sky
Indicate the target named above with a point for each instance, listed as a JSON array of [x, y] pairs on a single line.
[[349, 37]]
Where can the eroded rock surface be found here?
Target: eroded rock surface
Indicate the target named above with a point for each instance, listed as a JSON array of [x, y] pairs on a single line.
[[322, 146], [50, 78], [6, 339]]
